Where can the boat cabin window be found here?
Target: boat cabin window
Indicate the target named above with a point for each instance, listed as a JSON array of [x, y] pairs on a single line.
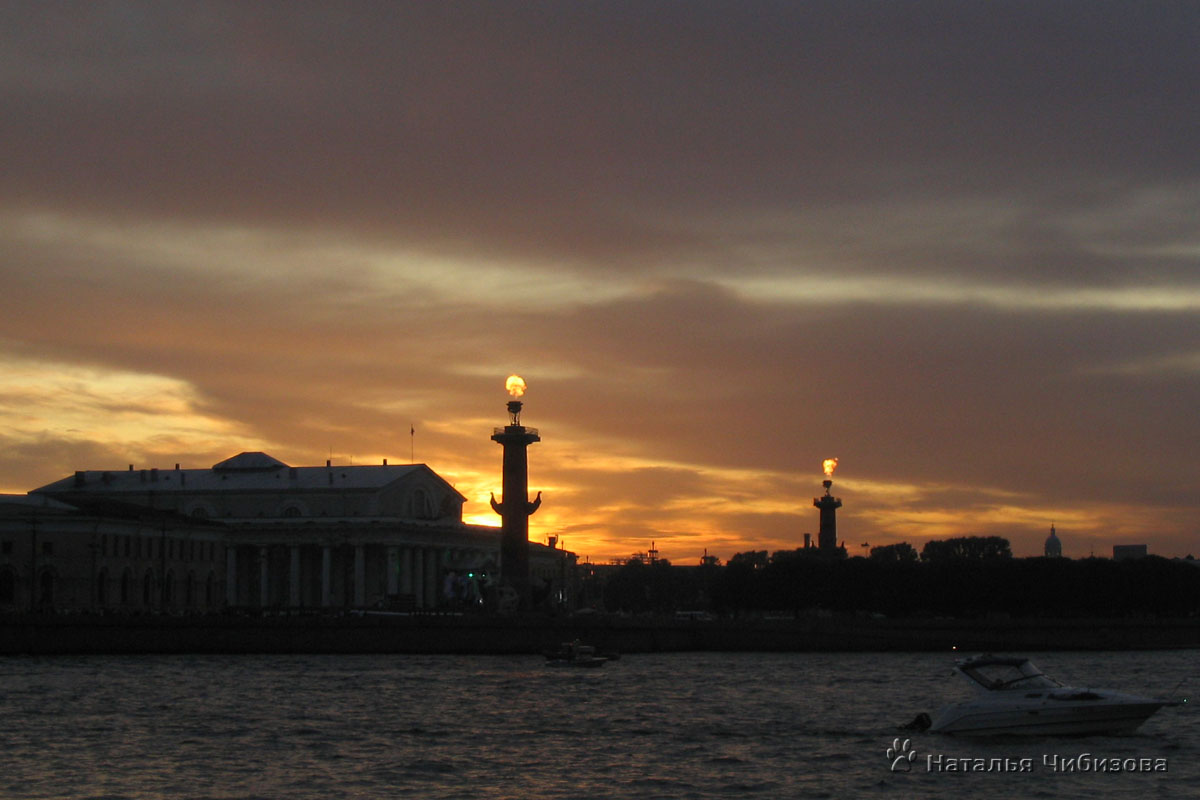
[[1008, 676]]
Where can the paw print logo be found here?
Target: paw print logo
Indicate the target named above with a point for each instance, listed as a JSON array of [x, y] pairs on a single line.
[[901, 754]]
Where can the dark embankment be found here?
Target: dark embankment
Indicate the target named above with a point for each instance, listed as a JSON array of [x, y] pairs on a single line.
[[46, 635]]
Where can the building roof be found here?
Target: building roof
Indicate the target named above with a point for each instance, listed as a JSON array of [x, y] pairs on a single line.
[[25, 503], [247, 472], [246, 461]]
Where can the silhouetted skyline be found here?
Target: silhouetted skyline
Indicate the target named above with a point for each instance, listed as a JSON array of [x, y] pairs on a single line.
[[951, 244]]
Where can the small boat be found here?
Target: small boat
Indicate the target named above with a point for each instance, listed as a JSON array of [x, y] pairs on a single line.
[[1015, 697], [574, 654]]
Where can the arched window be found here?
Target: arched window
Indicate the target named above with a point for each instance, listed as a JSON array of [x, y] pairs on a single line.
[[126, 586], [8, 587], [46, 588], [102, 588], [189, 590], [210, 590], [291, 511], [148, 589], [169, 589]]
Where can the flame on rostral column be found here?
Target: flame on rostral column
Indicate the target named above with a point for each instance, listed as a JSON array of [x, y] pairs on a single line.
[[515, 385], [829, 465]]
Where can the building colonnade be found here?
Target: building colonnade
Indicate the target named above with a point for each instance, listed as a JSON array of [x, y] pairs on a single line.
[[360, 575]]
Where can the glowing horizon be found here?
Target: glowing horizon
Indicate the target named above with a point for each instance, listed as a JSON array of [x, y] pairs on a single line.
[[686, 525]]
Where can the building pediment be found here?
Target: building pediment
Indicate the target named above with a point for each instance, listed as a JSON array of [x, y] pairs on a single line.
[[250, 461]]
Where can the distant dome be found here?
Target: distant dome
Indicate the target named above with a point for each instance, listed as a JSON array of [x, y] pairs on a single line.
[[1053, 545], [250, 461]]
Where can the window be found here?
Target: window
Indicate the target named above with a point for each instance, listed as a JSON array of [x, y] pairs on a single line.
[[47, 548], [8, 586], [6, 548], [46, 588], [420, 505]]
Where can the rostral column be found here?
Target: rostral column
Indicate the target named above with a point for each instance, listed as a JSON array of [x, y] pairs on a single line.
[[516, 507], [827, 538]]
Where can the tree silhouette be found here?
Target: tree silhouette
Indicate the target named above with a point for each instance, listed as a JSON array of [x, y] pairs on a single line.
[[970, 547], [894, 553]]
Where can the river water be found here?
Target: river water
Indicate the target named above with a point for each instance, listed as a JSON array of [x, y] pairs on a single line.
[[678, 725]]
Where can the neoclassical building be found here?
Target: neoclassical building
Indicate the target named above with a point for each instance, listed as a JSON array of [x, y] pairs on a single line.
[[56, 556], [253, 532]]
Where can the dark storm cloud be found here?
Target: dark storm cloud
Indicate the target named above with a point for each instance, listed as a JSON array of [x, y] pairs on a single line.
[[577, 131]]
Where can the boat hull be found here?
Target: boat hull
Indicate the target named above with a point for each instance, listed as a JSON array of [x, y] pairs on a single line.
[[1095, 718], [583, 663]]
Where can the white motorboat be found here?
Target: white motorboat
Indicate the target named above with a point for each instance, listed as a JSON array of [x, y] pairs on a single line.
[[1014, 697]]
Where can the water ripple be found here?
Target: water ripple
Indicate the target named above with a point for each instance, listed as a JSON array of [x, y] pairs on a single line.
[[659, 726]]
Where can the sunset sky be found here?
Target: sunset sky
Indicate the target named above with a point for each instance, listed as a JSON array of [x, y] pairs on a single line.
[[954, 244]]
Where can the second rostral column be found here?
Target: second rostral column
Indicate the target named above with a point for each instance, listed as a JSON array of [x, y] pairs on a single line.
[[827, 538], [516, 507]]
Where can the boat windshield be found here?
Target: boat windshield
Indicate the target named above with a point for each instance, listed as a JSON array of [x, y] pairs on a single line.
[[1008, 675]]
